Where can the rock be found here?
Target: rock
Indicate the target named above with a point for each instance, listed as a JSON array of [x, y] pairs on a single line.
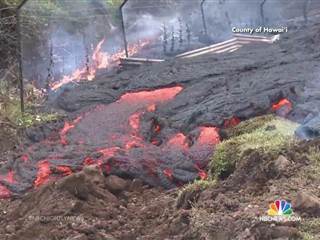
[[136, 185], [307, 203], [78, 237], [94, 174], [282, 163], [115, 184], [284, 232], [10, 228], [103, 236], [85, 183]]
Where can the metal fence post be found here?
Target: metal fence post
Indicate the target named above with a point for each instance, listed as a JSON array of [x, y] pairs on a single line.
[[123, 28], [203, 18], [20, 55]]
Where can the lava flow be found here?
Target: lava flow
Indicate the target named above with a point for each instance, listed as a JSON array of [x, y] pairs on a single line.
[[118, 138], [283, 107], [100, 60]]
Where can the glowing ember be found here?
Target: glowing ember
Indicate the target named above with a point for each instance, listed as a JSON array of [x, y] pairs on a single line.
[[25, 158], [157, 128], [168, 172], [4, 192], [65, 170], [88, 161], [108, 152], [9, 178], [283, 107], [134, 121], [232, 122], [100, 60], [202, 174], [152, 108], [43, 173]]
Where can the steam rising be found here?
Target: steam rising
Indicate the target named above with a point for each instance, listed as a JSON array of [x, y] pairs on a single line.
[[68, 34]]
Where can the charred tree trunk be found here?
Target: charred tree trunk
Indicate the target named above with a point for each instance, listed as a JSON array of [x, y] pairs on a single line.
[[305, 9]]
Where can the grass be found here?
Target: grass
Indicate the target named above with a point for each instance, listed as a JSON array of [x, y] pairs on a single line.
[[189, 194], [309, 229], [10, 112], [198, 185], [314, 155], [267, 134]]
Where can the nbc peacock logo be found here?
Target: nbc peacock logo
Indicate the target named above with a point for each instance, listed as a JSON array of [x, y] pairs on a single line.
[[280, 208], [280, 211]]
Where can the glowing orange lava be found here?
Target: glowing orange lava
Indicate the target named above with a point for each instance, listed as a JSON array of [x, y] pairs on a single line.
[[43, 173], [65, 170], [158, 95], [209, 135], [134, 121], [66, 128], [178, 140], [283, 107]]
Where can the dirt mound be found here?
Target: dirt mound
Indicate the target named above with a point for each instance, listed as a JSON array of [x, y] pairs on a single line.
[[87, 205]]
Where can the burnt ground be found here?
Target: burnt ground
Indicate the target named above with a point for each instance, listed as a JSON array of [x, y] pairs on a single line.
[[244, 84]]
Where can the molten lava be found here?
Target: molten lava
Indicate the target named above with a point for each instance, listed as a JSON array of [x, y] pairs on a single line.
[[178, 140], [100, 60], [43, 173], [283, 107], [209, 135], [121, 138]]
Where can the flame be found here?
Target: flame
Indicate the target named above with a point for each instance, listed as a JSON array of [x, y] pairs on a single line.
[[100, 60]]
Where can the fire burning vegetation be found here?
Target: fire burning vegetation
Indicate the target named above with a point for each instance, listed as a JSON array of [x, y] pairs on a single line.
[[100, 60]]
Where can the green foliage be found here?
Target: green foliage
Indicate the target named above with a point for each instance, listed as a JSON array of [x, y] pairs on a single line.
[[28, 120], [314, 155], [270, 136], [197, 185], [10, 112]]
